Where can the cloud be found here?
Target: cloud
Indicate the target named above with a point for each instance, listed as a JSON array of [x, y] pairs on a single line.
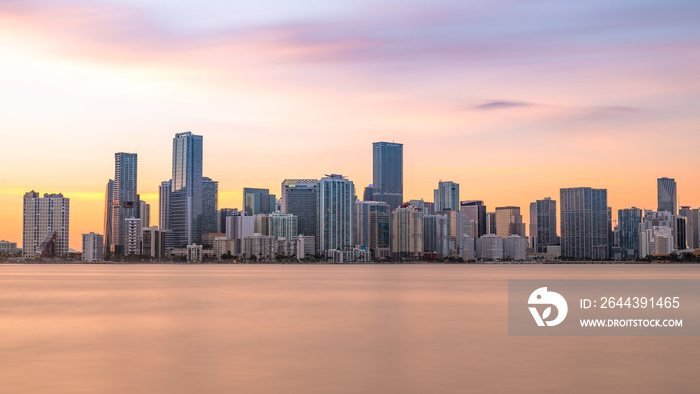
[[501, 104]]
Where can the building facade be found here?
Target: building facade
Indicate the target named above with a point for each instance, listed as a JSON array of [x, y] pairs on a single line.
[[667, 195], [407, 232], [543, 224], [372, 227], [335, 204], [628, 221], [387, 175], [300, 198], [584, 223], [45, 225], [93, 247], [126, 201], [446, 196], [210, 205]]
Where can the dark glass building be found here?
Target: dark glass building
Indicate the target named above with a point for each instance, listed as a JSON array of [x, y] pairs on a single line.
[[543, 224], [299, 197], [387, 185], [125, 203], [185, 214], [257, 201], [584, 223], [667, 196], [210, 205]]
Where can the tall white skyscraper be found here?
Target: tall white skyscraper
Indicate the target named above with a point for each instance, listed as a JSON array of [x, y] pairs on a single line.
[[336, 197], [45, 225]]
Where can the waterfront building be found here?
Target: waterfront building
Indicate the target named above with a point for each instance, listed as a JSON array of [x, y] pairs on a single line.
[[628, 221], [335, 201], [153, 242], [109, 201], [543, 225], [93, 247], [300, 198], [514, 248], [446, 196], [45, 225], [475, 212], [693, 219], [509, 221], [387, 185], [283, 225], [210, 205], [489, 247], [126, 201], [372, 227], [407, 232], [667, 195], [584, 223], [185, 213], [435, 235]]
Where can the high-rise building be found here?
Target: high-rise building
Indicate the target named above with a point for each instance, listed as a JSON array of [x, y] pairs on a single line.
[[210, 205], [369, 191], [692, 216], [455, 232], [543, 224], [387, 185], [667, 195], [372, 227], [447, 196], [491, 223], [45, 227], [407, 232], [126, 201], [489, 247], [584, 223], [628, 221], [132, 236], [283, 225], [257, 201], [153, 242], [93, 247], [656, 241], [239, 225], [509, 221], [299, 197], [514, 248], [164, 192], [109, 201], [185, 214], [145, 213], [223, 213], [336, 197], [435, 235], [475, 211]]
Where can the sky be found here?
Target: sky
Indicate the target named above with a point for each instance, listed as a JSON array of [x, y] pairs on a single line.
[[513, 100]]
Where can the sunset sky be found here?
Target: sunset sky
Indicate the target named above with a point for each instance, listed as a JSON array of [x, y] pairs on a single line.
[[511, 99]]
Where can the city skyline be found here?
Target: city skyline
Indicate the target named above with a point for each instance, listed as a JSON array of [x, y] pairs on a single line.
[[510, 101]]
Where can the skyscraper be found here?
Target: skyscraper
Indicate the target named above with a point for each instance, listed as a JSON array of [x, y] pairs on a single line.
[[257, 201], [407, 232], [372, 227], [45, 227], [584, 223], [447, 196], [210, 204], [126, 201], [336, 197], [109, 200], [299, 197], [628, 221], [692, 217], [667, 196], [543, 224], [145, 213], [387, 179], [164, 205], [475, 211], [185, 214], [509, 221]]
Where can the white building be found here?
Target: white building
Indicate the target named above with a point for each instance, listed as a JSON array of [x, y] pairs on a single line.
[[656, 241], [489, 247], [132, 236], [93, 247], [45, 225], [514, 248]]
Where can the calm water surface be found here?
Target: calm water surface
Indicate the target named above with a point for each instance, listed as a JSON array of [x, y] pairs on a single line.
[[312, 329]]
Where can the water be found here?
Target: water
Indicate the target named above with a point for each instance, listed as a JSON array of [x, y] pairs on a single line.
[[312, 329]]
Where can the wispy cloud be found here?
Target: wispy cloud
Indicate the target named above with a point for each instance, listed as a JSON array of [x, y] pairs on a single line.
[[501, 104]]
